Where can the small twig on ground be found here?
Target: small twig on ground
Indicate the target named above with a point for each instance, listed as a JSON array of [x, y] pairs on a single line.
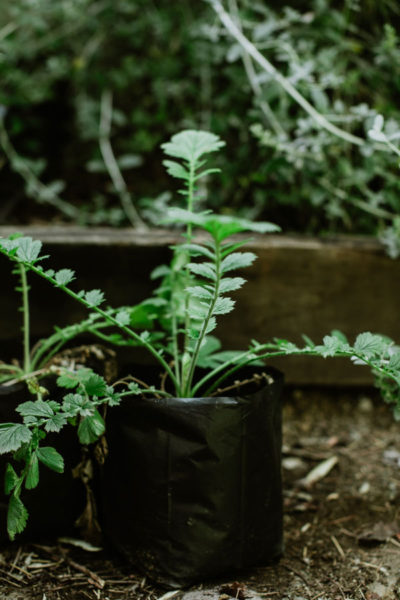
[[18, 585], [93, 577], [16, 559], [338, 546], [297, 573]]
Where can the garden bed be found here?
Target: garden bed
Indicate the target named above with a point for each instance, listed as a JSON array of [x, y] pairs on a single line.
[[297, 285], [342, 533]]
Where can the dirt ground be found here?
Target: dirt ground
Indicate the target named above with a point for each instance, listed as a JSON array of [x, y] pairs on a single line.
[[342, 521]]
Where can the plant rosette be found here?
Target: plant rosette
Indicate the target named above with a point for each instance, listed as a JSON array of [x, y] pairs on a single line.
[[176, 325]]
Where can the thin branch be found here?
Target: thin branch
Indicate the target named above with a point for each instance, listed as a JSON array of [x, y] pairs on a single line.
[[381, 213], [39, 372], [252, 51], [254, 83], [237, 385], [38, 190], [111, 162]]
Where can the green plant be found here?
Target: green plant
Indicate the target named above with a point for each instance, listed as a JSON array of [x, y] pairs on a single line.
[[41, 416], [37, 359], [179, 318]]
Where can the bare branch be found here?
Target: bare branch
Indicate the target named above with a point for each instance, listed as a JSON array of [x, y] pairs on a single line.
[[111, 162]]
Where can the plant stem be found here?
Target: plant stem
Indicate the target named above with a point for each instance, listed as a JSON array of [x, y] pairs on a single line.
[[243, 362], [203, 332], [190, 195], [129, 332], [175, 347], [26, 325]]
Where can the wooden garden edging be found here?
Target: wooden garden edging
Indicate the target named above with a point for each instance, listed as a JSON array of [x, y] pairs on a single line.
[[297, 285]]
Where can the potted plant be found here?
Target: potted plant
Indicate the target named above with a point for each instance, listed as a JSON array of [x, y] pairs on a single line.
[[191, 485]]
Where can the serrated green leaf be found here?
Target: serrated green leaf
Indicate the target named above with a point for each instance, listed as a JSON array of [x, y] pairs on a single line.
[[369, 344], [199, 292], [228, 248], [198, 250], [191, 145], [39, 409], [95, 385], [11, 479], [205, 270], [176, 170], [122, 317], [145, 336], [237, 260], [331, 346], [67, 380], [223, 306], [394, 362], [113, 399], [13, 436], [286, 346], [76, 404], [91, 428], [51, 458], [28, 249], [207, 172], [94, 297], [17, 516], [230, 284], [64, 276], [9, 245], [55, 423], [134, 388], [222, 227], [32, 476], [198, 311]]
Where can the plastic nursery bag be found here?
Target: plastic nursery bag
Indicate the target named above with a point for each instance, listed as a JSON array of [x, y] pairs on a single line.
[[192, 487]]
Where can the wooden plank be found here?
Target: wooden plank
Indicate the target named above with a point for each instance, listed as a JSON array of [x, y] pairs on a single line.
[[297, 285]]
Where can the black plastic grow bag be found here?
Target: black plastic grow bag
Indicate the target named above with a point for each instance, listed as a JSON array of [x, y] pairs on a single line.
[[192, 487], [59, 499]]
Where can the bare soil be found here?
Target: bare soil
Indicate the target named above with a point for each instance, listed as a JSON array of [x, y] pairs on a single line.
[[342, 522]]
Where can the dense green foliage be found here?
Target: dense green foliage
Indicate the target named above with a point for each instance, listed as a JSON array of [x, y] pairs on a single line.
[[92, 88]]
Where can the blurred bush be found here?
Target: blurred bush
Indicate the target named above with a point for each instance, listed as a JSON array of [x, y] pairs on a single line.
[[148, 68]]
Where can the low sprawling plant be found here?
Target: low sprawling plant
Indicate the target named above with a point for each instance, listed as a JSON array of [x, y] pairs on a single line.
[[37, 359], [177, 322]]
